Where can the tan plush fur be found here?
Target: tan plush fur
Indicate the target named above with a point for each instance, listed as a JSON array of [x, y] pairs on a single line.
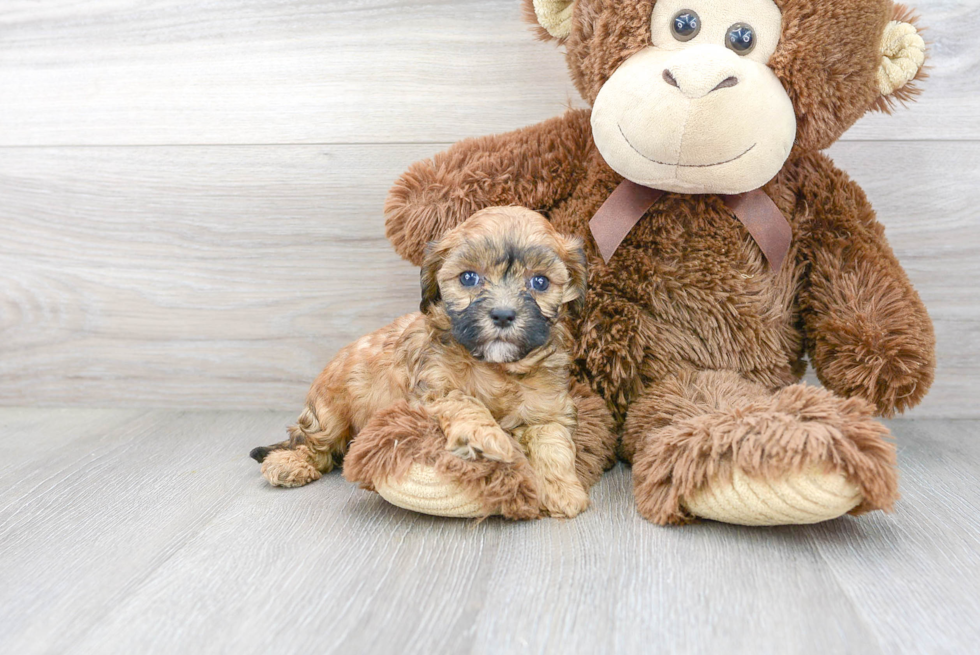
[[695, 345], [494, 394]]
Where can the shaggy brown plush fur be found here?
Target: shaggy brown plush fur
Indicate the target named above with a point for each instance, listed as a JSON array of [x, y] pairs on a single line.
[[688, 292], [479, 173], [401, 436], [698, 425], [595, 440], [868, 333]]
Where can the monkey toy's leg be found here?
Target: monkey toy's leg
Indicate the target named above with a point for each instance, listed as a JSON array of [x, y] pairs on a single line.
[[712, 444], [401, 453], [551, 452], [316, 444]]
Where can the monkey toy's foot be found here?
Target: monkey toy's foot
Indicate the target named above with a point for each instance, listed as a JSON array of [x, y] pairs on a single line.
[[809, 496], [423, 489], [402, 455], [735, 452]]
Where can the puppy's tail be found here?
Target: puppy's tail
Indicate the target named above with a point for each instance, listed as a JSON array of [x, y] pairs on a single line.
[[261, 452], [323, 442], [306, 424]]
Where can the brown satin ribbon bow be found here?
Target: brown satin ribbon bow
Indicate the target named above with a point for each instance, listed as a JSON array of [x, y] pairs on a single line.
[[630, 201]]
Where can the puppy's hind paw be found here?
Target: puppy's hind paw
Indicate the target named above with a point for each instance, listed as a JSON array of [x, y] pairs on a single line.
[[288, 468]]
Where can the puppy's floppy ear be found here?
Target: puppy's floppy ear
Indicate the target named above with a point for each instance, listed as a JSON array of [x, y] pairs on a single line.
[[573, 256], [434, 256]]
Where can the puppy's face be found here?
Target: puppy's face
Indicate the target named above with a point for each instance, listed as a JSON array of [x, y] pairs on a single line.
[[503, 278]]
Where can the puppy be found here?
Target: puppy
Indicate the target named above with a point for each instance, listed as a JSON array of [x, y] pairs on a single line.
[[486, 357]]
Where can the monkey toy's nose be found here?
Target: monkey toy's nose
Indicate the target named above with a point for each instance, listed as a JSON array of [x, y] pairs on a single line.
[[697, 88], [503, 317]]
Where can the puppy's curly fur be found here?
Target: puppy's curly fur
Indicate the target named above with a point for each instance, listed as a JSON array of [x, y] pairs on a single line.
[[487, 358]]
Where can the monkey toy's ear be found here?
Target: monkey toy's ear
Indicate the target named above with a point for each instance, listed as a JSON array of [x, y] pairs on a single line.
[[903, 53], [434, 256], [553, 17]]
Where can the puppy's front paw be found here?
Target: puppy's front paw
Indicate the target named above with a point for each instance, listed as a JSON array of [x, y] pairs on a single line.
[[486, 443], [564, 499], [287, 468]]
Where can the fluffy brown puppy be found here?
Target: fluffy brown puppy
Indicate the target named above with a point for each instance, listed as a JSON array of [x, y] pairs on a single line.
[[487, 358]]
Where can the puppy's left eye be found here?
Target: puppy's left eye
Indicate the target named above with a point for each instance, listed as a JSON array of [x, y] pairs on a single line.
[[539, 283], [469, 278]]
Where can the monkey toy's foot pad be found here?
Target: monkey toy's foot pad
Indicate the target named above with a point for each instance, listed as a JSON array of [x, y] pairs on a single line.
[[807, 497], [423, 490]]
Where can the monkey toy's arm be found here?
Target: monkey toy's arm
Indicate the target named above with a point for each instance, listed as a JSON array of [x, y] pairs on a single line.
[[867, 331], [535, 167]]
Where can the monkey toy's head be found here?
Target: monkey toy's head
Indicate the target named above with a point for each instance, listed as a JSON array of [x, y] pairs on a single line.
[[714, 96]]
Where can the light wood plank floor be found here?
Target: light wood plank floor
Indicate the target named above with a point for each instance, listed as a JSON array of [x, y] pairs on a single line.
[[130, 531]]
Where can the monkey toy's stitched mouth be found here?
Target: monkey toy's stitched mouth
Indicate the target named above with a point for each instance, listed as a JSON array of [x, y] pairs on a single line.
[[678, 164]]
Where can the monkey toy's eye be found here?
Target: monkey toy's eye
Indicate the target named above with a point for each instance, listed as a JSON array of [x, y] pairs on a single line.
[[469, 278], [539, 283], [685, 25], [740, 38]]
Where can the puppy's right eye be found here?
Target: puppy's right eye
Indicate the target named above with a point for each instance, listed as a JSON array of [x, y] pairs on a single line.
[[469, 278], [539, 283]]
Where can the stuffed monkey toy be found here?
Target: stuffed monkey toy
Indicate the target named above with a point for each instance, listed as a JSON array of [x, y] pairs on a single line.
[[725, 251]]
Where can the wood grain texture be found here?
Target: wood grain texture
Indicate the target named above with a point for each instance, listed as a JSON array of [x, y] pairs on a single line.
[[171, 276], [935, 525], [227, 276], [156, 534], [122, 72]]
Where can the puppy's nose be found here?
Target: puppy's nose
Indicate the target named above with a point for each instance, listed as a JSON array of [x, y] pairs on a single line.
[[503, 317]]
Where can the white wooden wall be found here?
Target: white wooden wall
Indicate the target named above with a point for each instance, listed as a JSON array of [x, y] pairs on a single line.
[[191, 193]]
